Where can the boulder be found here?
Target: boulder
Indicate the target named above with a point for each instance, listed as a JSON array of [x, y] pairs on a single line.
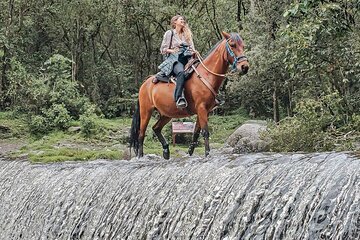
[[247, 138], [74, 129]]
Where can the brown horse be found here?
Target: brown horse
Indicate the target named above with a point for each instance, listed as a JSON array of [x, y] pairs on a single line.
[[200, 92]]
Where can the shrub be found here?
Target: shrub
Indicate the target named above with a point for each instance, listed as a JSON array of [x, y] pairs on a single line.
[[88, 122], [57, 117], [51, 100], [116, 107], [38, 124], [313, 128]]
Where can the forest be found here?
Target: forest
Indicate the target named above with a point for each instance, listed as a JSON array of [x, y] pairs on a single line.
[[80, 60]]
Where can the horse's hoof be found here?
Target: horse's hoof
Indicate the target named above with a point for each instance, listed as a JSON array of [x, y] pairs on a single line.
[[190, 151], [207, 154], [166, 154]]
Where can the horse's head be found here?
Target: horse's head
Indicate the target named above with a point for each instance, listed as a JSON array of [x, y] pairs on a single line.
[[235, 52]]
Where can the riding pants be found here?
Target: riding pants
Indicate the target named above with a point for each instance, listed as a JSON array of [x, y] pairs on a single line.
[[178, 71]]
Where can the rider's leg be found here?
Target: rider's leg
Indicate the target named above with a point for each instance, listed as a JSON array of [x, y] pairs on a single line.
[[180, 82]]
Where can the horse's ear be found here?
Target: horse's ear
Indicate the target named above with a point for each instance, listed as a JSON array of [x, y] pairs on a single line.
[[225, 35]]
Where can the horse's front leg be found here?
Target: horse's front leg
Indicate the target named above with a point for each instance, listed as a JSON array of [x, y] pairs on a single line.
[[195, 137], [203, 121]]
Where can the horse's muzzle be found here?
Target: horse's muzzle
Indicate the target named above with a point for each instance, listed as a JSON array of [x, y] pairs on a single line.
[[244, 69]]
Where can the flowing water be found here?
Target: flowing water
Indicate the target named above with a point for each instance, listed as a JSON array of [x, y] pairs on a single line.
[[254, 196]]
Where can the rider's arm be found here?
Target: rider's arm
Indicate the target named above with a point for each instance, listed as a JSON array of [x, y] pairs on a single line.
[[164, 48], [192, 47]]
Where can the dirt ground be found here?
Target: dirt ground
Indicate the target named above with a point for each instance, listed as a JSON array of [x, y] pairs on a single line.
[[7, 146]]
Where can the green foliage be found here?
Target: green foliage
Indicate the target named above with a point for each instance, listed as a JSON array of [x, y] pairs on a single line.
[[57, 117], [315, 127], [70, 154], [57, 57], [12, 126], [52, 100], [88, 124], [88, 121], [320, 55], [38, 124], [116, 107]]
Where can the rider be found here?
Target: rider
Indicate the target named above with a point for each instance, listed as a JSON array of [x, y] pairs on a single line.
[[177, 47]]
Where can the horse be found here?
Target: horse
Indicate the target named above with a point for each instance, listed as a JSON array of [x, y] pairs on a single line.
[[200, 92]]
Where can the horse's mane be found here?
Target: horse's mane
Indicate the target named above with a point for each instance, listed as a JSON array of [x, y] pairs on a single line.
[[213, 48], [234, 36]]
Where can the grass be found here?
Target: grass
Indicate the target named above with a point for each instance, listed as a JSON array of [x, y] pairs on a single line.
[[110, 139], [17, 126], [72, 154]]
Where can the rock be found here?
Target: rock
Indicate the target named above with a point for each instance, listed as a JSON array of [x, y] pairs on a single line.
[[74, 129], [247, 138]]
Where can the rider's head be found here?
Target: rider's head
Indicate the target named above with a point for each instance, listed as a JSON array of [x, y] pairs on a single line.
[[180, 23]]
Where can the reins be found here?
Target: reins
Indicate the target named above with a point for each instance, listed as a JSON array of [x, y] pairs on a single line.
[[202, 63], [236, 60], [232, 54]]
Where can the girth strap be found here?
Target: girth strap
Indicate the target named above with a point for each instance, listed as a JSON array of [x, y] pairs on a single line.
[[207, 84]]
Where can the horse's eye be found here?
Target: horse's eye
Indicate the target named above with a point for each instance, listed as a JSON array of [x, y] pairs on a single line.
[[232, 45]]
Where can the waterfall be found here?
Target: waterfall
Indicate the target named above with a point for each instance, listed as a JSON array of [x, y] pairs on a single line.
[[225, 196]]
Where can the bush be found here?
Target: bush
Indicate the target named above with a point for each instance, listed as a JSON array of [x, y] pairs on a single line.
[[58, 117], [116, 107], [293, 135], [51, 100], [38, 124], [313, 128], [88, 122]]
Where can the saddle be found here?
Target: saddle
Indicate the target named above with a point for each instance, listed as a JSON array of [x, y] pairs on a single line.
[[161, 77]]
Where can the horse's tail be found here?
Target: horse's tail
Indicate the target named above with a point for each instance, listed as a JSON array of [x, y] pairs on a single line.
[[134, 132]]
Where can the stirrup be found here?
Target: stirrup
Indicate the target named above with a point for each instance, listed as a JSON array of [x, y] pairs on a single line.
[[181, 103]]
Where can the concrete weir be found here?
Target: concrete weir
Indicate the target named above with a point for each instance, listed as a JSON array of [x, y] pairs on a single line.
[[225, 196]]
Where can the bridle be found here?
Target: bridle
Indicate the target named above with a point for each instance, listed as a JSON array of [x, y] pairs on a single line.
[[236, 60]]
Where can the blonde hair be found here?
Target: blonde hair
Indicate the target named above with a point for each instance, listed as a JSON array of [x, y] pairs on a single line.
[[186, 29]]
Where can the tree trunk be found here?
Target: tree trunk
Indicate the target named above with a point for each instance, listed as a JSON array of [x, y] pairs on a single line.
[[289, 107], [276, 104], [4, 60], [78, 49], [238, 14], [3, 77]]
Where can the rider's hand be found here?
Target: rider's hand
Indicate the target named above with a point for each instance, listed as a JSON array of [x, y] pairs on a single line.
[[174, 50], [195, 53]]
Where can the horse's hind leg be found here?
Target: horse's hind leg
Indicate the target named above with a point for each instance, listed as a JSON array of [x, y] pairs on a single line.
[[145, 114], [195, 137], [157, 130]]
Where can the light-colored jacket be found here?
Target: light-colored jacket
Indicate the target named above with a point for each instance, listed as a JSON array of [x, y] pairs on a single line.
[[176, 41]]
